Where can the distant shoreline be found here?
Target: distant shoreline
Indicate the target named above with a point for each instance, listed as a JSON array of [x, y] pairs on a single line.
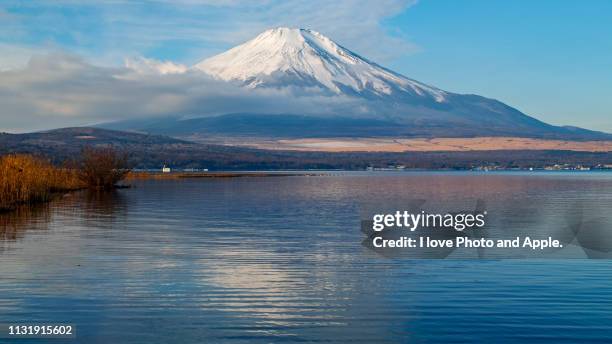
[[143, 175], [140, 175]]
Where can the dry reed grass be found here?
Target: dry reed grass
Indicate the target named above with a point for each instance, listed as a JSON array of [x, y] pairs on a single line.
[[25, 179]]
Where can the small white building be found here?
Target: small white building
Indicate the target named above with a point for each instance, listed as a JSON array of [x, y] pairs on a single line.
[[166, 169]]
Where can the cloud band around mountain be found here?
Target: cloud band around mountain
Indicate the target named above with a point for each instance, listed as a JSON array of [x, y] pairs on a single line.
[[59, 90]]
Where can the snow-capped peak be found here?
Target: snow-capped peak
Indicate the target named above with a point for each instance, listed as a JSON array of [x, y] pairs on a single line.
[[300, 57]]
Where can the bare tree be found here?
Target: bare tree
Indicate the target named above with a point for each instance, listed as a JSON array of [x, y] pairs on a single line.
[[102, 167]]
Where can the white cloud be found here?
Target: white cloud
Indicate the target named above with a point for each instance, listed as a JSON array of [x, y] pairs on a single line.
[[116, 78], [59, 90], [15, 56], [144, 65], [187, 31]]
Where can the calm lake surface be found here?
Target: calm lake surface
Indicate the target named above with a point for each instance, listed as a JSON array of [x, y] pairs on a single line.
[[280, 259]]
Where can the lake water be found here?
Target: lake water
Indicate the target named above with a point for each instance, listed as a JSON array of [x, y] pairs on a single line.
[[281, 259]]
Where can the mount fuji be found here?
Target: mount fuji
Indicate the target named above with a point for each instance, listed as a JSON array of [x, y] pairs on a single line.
[[306, 58], [384, 103]]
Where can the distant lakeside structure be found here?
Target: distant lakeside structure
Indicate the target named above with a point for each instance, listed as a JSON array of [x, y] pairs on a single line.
[[167, 169]]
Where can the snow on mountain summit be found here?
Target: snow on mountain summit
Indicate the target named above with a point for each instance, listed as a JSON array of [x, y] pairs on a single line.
[[305, 58]]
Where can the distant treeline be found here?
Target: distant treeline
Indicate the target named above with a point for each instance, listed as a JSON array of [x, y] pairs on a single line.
[[152, 152], [266, 160], [229, 158]]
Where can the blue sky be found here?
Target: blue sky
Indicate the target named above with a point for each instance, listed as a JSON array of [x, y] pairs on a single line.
[[550, 59]]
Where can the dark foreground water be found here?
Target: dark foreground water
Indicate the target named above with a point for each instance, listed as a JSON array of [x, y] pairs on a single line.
[[280, 259]]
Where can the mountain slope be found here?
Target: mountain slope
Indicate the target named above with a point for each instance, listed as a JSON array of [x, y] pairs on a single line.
[[82, 136], [383, 103]]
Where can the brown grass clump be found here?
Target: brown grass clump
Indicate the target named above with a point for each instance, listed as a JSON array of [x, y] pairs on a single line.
[[25, 179]]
